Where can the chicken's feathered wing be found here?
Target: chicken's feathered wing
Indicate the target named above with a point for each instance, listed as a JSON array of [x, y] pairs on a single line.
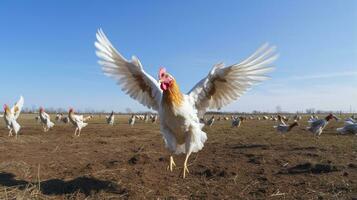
[[47, 116], [130, 75], [223, 85], [16, 109], [78, 118]]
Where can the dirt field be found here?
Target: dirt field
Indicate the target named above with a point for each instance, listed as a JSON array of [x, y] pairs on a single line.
[[120, 162]]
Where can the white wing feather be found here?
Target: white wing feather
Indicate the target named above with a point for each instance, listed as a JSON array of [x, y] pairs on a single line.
[[223, 85], [16, 109], [78, 118], [130, 75]]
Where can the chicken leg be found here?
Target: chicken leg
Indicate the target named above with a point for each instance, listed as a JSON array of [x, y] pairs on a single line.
[[75, 132], [172, 164], [185, 168]]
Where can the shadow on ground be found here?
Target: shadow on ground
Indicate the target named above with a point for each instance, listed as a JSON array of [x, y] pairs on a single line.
[[85, 185]]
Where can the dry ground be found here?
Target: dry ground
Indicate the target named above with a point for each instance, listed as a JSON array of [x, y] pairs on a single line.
[[120, 162]]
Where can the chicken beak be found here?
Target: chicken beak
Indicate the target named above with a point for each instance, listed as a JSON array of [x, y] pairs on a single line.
[[160, 81]]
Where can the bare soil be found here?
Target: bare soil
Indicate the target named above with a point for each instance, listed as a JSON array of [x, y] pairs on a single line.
[[122, 162]]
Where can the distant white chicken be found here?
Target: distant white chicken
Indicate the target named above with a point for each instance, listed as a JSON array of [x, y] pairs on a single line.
[[318, 125], [38, 120], [132, 120], [284, 128], [297, 118], [350, 121], [45, 120], [237, 121], [146, 118], [281, 120], [210, 121], [180, 113], [154, 119], [78, 121], [110, 118], [59, 117], [11, 115], [349, 128]]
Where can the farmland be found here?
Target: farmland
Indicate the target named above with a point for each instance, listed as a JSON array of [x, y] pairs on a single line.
[[123, 162]]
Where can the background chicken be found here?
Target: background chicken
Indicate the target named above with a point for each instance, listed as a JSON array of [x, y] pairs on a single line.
[[132, 120], [350, 127], [180, 113], [78, 121], [210, 121], [45, 120], [110, 118], [11, 116], [318, 125], [284, 128]]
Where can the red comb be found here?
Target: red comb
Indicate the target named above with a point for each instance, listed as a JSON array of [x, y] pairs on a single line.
[[162, 71]]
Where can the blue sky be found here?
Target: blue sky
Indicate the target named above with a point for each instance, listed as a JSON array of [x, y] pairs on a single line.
[[47, 49]]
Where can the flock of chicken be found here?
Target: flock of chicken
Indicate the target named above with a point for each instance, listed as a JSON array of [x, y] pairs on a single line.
[[180, 113], [316, 125], [79, 121]]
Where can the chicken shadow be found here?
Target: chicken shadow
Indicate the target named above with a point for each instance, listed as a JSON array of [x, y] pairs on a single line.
[[85, 185]]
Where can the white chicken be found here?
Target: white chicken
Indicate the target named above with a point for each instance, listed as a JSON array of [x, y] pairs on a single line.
[[281, 120], [236, 121], [284, 128], [210, 121], [350, 121], [110, 118], [132, 120], [11, 115], [350, 127], [318, 125], [37, 119], [78, 121], [45, 120], [146, 118], [154, 119], [180, 113], [59, 117]]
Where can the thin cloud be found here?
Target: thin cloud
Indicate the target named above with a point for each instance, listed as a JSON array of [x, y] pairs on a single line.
[[329, 75]]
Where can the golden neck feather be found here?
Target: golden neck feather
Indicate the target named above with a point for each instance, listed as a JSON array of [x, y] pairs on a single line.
[[173, 96]]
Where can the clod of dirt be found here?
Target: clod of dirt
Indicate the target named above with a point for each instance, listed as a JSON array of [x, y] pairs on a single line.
[[209, 173], [110, 163], [134, 160], [311, 168], [352, 165], [255, 159], [138, 158]]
